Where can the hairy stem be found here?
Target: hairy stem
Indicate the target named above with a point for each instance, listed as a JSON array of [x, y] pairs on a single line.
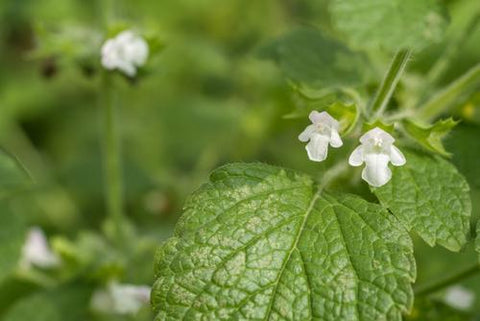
[[443, 100], [389, 83], [462, 275], [111, 151]]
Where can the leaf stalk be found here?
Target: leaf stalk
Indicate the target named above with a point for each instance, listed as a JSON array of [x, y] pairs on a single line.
[[462, 275]]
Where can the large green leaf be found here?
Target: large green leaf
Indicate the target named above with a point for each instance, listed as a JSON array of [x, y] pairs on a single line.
[[260, 243], [307, 56], [391, 24], [429, 196]]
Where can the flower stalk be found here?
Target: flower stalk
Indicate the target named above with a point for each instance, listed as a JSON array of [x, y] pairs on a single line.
[[111, 151], [441, 102], [462, 275]]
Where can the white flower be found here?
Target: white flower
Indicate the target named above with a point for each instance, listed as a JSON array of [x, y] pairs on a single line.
[[37, 252], [459, 297], [322, 131], [376, 150], [121, 298], [125, 52]]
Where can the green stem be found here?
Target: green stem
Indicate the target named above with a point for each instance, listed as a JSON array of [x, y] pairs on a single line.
[[332, 174], [443, 100], [389, 83], [112, 165], [429, 289]]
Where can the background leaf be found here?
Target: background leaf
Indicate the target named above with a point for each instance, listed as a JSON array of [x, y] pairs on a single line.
[[259, 243], [13, 177], [61, 304], [389, 24], [306, 55], [432, 310], [11, 239], [429, 196]]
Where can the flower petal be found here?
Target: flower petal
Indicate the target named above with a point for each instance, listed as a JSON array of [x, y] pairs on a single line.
[[335, 140], [127, 68], [396, 157], [377, 133], [37, 252], [306, 134], [356, 158], [376, 172], [317, 148], [138, 52], [316, 117]]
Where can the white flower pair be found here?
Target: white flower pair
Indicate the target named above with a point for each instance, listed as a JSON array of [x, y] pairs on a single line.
[[126, 52], [376, 148]]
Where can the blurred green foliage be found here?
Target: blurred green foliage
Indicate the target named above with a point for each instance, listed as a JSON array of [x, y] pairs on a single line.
[[207, 99]]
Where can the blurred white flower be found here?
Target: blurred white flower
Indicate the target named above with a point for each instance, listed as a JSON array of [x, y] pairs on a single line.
[[322, 132], [126, 52], [121, 298], [459, 297], [37, 252], [376, 151]]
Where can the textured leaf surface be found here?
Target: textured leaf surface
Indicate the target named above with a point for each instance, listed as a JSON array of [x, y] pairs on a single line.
[[430, 197], [307, 56], [259, 243], [391, 24]]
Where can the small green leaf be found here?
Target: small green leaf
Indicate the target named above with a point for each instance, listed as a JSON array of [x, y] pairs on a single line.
[[431, 137], [388, 127], [346, 114], [429, 196], [155, 44], [307, 56], [261, 243], [390, 24]]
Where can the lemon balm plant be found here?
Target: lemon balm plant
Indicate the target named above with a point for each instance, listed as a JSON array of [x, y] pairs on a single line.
[[262, 242], [371, 173]]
